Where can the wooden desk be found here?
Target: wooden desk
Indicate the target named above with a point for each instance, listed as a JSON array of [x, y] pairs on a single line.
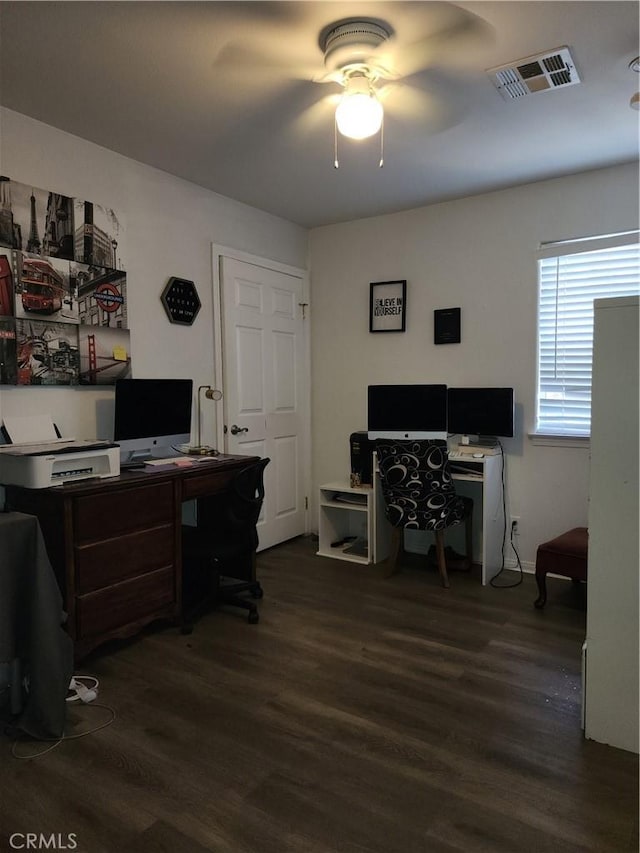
[[115, 544]]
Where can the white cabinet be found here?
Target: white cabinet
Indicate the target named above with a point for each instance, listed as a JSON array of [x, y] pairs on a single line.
[[352, 523], [610, 689], [347, 516]]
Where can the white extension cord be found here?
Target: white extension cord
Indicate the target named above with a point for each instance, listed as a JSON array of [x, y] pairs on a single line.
[[83, 688]]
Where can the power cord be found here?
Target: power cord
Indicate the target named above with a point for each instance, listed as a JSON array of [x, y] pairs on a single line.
[[504, 537], [83, 689]]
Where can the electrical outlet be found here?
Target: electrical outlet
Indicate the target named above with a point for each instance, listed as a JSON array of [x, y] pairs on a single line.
[[515, 525]]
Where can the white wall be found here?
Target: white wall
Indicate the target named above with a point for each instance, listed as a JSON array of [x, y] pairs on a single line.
[[170, 226], [479, 254], [476, 253]]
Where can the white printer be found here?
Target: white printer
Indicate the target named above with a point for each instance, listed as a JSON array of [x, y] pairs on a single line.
[[38, 466]]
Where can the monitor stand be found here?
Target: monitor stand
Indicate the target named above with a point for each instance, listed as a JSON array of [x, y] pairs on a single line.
[[137, 456], [483, 441]]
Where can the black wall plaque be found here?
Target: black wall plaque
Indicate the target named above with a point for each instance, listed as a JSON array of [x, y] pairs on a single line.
[[446, 326]]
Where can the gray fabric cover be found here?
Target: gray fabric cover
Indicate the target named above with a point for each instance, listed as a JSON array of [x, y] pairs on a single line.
[[31, 626]]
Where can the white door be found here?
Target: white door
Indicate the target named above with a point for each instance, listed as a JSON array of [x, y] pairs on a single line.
[[266, 386]]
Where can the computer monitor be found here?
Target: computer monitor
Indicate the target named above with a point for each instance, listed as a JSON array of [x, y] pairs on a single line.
[[407, 411], [482, 412], [152, 417]]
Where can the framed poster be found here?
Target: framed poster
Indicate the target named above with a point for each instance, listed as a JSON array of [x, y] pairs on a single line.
[[388, 306], [446, 326]]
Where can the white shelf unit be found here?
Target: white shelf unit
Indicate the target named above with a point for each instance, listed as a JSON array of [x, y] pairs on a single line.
[[346, 511]]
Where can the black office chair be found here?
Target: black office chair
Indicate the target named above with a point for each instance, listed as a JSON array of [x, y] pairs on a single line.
[[419, 494], [219, 555]]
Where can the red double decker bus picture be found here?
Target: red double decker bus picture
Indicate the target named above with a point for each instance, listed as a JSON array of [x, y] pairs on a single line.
[[42, 287]]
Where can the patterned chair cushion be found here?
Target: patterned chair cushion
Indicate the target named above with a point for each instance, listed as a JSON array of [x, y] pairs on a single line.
[[417, 487]]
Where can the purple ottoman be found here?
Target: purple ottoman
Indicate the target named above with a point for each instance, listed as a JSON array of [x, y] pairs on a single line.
[[565, 555]]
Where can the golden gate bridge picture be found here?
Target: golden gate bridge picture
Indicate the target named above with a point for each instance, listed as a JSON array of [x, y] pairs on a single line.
[[104, 355]]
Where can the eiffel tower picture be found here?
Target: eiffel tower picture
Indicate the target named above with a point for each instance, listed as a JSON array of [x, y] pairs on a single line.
[[38, 221], [33, 243]]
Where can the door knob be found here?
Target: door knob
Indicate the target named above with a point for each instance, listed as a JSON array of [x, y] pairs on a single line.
[[236, 430]]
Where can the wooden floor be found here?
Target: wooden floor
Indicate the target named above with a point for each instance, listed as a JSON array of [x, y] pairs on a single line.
[[361, 715]]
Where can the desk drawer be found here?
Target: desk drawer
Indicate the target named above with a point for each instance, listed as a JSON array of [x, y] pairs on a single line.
[[207, 484], [103, 563], [124, 603], [101, 516]]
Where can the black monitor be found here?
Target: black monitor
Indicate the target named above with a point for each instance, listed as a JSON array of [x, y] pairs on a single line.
[[152, 416], [481, 411], [407, 411]]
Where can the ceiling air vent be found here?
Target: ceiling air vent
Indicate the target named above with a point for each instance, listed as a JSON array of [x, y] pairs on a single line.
[[551, 70]]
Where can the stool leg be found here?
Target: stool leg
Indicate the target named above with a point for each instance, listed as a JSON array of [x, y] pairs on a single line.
[[442, 563], [541, 600], [468, 529], [391, 565]]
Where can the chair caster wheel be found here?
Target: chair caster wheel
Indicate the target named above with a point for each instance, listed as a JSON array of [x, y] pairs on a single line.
[[253, 617], [539, 603], [257, 593]]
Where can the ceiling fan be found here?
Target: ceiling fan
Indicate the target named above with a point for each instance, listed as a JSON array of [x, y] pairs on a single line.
[[373, 62]]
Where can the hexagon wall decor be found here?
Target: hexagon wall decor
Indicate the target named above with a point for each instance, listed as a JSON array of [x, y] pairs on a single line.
[[181, 301]]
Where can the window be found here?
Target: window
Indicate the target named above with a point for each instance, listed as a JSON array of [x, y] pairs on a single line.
[[570, 276]]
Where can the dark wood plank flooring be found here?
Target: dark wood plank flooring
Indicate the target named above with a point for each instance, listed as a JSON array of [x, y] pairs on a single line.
[[361, 715]]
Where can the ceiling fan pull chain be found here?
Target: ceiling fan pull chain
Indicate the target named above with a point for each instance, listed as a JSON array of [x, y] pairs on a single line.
[[336, 164], [381, 163]]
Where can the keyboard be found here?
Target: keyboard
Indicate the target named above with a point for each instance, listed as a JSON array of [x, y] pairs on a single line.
[[456, 456]]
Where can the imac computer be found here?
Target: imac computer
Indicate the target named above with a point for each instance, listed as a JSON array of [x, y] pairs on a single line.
[[487, 413], [152, 417], [407, 411]]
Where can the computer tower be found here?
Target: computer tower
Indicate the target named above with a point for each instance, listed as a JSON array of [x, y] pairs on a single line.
[[361, 459]]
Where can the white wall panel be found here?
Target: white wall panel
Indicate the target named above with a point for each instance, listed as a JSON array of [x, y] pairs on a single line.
[[287, 452], [283, 304], [284, 372], [250, 355], [248, 295]]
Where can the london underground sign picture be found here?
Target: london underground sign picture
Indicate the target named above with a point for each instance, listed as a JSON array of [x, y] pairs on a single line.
[[108, 297]]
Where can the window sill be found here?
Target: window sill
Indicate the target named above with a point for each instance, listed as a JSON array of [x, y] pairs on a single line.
[[543, 440]]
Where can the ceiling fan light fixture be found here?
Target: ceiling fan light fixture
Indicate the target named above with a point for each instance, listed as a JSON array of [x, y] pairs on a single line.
[[359, 113]]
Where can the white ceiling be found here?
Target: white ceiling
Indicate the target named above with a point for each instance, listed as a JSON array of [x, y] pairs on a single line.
[[221, 94]]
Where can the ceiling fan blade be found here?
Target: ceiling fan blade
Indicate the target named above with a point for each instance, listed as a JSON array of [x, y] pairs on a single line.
[[318, 117], [415, 107], [240, 59], [453, 39]]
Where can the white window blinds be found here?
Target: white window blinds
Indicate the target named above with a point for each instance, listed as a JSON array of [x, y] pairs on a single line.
[[571, 276]]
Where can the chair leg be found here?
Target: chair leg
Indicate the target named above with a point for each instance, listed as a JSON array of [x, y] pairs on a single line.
[[442, 563], [541, 600], [391, 565], [468, 538]]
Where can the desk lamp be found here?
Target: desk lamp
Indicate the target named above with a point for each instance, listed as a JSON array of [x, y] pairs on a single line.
[[204, 449]]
